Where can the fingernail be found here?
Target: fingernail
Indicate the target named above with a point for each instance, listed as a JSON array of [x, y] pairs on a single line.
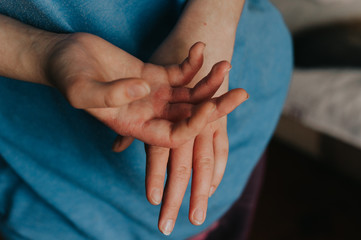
[[229, 69], [167, 227], [138, 90], [211, 191], [198, 216], [247, 96], [156, 196]]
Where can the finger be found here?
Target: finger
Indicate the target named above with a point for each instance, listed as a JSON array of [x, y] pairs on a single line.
[[85, 93], [180, 75], [224, 105], [165, 133], [179, 172], [204, 89], [121, 143], [203, 160], [157, 159], [221, 147], [228, 102]]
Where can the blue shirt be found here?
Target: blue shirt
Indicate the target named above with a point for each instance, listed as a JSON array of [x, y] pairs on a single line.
[[59, 178]]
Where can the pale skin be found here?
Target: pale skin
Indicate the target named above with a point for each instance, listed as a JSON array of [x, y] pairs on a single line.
[[97, 76], [109, 83], [214, 23]]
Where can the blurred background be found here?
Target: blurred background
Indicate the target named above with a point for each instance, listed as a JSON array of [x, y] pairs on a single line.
[[312, 187]]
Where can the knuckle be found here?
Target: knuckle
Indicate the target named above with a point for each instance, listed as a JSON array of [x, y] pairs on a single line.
[[201, 198], [175, 141], [204, 163], [172, 208], [182, 173], [158, 151]]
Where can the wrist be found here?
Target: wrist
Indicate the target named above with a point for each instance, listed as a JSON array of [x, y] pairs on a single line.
[[23, 50], [41, 45]]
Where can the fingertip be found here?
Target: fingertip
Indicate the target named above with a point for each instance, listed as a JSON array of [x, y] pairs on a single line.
[[224, 66], [235, 97], [155, 197], [196, 53], [198, 217], [191, 65], [166, 227], [117, 145], [243, 94], [230, 67], [200, 45], [121, 143], [219, 71]]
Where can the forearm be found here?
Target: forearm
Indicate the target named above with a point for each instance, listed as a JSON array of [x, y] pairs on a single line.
[[213, 22], [22, 50]]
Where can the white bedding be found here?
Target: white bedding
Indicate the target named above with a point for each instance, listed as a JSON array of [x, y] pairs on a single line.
[[329, 101]]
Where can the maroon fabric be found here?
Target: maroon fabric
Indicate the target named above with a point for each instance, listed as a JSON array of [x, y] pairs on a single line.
[[237, 222]]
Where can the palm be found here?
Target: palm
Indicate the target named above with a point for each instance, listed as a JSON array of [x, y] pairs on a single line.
[[88, 69], [136, 118]]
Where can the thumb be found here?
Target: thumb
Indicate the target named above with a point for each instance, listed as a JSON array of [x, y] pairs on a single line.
[[93, 94]]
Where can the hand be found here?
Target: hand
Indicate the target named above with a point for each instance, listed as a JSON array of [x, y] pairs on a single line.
[[96, 76], [207, 154], [214, 23]]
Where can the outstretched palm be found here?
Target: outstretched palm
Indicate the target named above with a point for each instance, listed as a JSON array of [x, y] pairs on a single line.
[[92, 74]]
